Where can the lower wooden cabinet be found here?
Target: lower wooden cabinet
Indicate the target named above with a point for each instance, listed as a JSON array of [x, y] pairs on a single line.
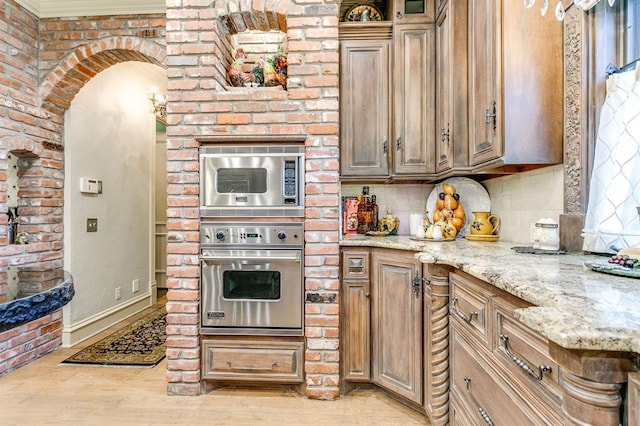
[[381, 335], [501, 371], [396, 315], [242, 360]]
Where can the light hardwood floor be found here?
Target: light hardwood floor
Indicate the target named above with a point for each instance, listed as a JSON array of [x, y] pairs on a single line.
[[46, 392]]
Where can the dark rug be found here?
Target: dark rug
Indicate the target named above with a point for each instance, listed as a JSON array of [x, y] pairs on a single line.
[[142, 343]]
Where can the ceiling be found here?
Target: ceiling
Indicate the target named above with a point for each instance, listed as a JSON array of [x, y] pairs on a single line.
[[62, 8]]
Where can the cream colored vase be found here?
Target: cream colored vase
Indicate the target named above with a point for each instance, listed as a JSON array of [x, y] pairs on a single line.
[[484, 223]]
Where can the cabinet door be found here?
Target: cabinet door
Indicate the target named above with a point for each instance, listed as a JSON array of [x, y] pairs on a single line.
[[364, 107], [413, 11], [444, 148], [414, 99], [484, 105], [397, 323], [356, 333]]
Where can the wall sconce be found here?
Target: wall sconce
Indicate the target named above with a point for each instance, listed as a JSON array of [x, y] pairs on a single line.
[[159, 104], [582, 4]]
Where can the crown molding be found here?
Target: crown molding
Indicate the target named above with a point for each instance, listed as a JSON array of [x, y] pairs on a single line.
[[65, 8]]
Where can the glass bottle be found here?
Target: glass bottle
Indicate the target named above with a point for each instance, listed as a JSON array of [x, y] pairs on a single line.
[[374, 225]]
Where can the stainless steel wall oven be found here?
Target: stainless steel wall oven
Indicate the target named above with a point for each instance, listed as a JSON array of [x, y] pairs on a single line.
[[252, 278]]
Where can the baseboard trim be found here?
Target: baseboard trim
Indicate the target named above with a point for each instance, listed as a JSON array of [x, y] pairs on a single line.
[[83, 330]]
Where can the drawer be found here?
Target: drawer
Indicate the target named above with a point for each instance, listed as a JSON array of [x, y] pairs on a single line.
[[355, 265], [469, 305], [252, 360], [483, 394], [525, 354]]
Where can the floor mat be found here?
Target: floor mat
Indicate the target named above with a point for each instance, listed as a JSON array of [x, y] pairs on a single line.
[[142, 343]]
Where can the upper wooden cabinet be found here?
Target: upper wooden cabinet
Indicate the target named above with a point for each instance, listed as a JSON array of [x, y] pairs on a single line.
[[365, 105], [384, 135], [515, 86], [451, 148], [411, 11], [414, 99]]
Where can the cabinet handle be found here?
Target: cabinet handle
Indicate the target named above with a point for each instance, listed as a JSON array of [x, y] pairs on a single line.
[[445, 134], [385, 147], [490, 115], [426, 281], [483, 413], [465, 317], [415, 283], [273, 366], [522, 364], [399, 144]]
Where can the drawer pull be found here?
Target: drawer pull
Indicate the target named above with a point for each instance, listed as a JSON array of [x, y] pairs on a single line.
[[273, 367], [483, 413], [465, 317], [522, 364]]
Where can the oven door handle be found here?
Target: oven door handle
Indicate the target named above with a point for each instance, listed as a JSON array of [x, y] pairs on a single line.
[[295, 258]]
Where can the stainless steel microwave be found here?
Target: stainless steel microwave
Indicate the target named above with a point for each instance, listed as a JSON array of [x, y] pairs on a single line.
[[252, 181]]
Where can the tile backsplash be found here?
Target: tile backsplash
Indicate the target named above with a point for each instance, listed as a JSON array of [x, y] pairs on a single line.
[[401, 199], [519, 199]]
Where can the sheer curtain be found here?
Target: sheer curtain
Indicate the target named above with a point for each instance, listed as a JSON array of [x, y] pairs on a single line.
[[613, 211]]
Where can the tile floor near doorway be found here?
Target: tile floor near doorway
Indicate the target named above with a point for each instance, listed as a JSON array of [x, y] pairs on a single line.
[[48, 393]]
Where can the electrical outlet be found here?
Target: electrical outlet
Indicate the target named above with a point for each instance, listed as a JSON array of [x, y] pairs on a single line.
[[118, 293], [135, 285]]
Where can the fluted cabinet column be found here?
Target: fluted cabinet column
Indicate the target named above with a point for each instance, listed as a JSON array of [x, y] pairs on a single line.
[[436, 342]]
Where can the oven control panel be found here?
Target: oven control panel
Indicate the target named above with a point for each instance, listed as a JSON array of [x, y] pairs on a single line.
[[286, 234]]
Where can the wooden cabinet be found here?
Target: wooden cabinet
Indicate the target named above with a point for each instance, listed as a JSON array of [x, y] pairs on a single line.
[[382, 135], [260, 360], [451, 142], [356, 316], [381, 337], [500, 369], [633, 392], [515, 86], [411, 11], [365, 104], [414, 100], [397, 323]]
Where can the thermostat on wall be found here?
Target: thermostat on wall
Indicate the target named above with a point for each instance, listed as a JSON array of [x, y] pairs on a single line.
[[90, 186]]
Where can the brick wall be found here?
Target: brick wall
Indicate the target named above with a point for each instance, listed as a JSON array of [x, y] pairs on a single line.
[[43, 64], [201, 105], [73, 50], [28, 342]]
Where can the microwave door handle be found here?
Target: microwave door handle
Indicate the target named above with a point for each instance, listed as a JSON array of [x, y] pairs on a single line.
[[223, 257]]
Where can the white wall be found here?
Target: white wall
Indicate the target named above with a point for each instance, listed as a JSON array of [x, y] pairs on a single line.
[[110, 136]]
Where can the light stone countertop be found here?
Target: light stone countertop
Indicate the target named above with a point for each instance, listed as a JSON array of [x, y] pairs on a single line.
[[575, 307]]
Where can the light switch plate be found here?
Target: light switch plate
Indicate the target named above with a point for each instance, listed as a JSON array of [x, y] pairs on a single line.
[[92, 225]]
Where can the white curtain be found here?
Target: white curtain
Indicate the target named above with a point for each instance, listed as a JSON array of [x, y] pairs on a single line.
[[612, 213]]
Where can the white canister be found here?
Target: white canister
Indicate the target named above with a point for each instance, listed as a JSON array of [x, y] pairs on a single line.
[[415, 222], [546, 235]]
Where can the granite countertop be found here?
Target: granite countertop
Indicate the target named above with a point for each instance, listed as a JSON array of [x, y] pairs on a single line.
[[575, 307]]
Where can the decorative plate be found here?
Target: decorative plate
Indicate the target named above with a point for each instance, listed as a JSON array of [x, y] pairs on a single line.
[[613, 269], [356, 13], [474, 198]]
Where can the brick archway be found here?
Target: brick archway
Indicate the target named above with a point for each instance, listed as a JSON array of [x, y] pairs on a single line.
[[61, 84]]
